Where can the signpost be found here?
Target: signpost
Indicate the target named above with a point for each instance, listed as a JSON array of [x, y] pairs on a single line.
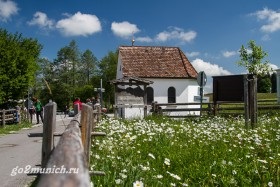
[[100, 90], [201, 81]]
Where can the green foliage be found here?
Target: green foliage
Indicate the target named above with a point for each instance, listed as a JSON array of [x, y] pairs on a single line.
[[89, 63], [264, 84], [60, 93], [67, 63], [68, 76], [18, 64], [85, 92], [252, 57]]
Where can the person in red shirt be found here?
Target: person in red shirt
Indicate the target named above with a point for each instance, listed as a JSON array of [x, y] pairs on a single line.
[[77, 102]]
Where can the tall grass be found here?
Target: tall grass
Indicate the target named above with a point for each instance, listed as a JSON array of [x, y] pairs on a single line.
[[203, 151]]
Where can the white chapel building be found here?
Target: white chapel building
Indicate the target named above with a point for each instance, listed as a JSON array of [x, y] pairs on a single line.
[[166, 74]]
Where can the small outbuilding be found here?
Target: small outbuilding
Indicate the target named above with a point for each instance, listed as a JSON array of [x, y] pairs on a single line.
[[166, 74]]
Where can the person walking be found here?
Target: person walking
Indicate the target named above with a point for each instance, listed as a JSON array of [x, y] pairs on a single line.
[[77, 102], [66, 111], [30, 108], [38, 109]]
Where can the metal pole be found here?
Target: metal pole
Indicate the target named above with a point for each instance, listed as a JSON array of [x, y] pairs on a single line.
[[201, 92], [201, 95]]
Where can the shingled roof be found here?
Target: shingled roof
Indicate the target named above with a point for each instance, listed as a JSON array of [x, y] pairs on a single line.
[[155, 62]]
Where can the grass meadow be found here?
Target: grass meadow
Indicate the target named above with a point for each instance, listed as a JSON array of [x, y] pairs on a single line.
[[205, 151]]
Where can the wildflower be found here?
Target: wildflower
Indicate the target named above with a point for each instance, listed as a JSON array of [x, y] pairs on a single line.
[[167, 161], [262, 161], [124, 176], [145, 168], [174, 176], [151, 155], [234, 172], [270, 184], [138, 184], [118, 181], [97, 156], [159, 176]]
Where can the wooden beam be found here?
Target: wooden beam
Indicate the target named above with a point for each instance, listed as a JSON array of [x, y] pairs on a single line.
[[68, 154]]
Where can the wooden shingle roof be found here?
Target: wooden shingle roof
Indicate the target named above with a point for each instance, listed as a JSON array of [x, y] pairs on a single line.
[[155, 62]]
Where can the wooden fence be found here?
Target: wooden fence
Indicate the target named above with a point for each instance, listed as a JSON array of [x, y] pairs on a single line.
[[209, 108], [67, 164], [9, 116]]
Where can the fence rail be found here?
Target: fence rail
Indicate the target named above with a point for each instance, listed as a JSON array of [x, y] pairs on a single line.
[[71, 156], [210, 108], [9, 116]]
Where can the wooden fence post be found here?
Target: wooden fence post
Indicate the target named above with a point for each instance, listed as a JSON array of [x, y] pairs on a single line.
[[86, 128], [3, 118], [246, 100], [48, 131], [253, 101]]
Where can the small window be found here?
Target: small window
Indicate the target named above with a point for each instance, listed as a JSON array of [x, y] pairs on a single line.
[[150, 95], [171, 95]]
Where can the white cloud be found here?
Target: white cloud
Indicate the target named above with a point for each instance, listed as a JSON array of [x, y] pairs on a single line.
[[79, 24], [265, 37], [228, 54], [272, 19], [144, 39], [192, 54], [176, 33], [208, 68], [42, 20], [7, 9], [124, 29]]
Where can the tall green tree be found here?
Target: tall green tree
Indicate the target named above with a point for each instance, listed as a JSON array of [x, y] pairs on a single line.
[[18, 64], [67, 63], [108, 69], [89, 66], [252, 59]]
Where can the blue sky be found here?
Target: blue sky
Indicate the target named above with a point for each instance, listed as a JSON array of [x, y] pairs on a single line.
[[210, 33]]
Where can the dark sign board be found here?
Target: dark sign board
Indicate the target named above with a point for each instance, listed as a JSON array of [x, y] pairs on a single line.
[[228, 88]]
